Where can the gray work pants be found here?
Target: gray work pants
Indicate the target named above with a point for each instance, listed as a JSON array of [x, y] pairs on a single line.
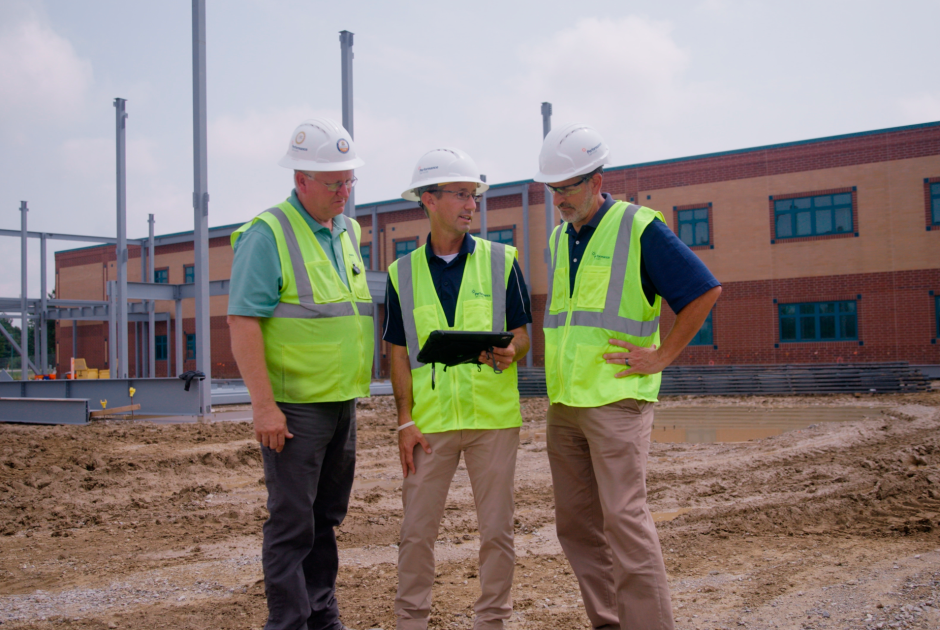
[[308, 483]]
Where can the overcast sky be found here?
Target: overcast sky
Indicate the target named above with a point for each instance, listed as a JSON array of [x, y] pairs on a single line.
[[658, 80]]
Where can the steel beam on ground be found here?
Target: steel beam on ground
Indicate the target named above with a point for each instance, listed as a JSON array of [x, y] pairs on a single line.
[[201, 202], [120, 340], [44, 410], [346, 55], [24, 258]]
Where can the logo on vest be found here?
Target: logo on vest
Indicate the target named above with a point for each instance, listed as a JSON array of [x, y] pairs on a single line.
[[599, 256], [479, 294]]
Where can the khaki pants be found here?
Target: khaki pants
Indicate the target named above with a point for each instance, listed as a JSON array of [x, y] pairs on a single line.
[[598, 460], [490, 456]]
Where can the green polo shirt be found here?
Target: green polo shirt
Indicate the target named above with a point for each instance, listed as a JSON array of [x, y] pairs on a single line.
[[256, 267]]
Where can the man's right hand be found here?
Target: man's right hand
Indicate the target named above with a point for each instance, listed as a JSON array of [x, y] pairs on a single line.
[[270, 426], [408, 439]]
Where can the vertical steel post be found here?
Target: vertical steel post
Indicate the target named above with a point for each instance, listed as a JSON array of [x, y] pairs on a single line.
[[374, 264], [201, 205], [75, 334], [483, 230], [179, 336], [549, 205], [112, 329], [151, 305], [526, 264], [24, 330], [42, 322], [120, 340], [346, 54], [373, 247]]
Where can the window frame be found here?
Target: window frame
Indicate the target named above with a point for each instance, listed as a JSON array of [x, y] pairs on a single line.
[[412, 239], [157, 346], [366, 259], [186, 272], [676, 210], [505, 228], [190, 347], [799, 317], [697, 341], [932, 197], [774, 199], [161, 270]]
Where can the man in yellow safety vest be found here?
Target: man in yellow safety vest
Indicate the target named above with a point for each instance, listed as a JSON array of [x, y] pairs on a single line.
[[612, 264], [455, 282], [300, 317]]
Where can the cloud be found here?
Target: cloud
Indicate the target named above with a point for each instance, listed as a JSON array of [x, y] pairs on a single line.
[[919, 109], [42, 75]]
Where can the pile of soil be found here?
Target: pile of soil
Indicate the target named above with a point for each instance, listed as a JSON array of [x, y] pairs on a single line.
[[137, 525]]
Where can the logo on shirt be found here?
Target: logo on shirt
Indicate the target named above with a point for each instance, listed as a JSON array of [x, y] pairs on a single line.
[[342, 145], [300, 138], [479, 294]]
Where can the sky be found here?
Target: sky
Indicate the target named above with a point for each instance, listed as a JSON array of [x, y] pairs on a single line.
[[658, 81]]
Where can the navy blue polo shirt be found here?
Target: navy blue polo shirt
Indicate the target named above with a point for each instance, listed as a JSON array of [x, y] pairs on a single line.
[[668, 267], [447, 277]]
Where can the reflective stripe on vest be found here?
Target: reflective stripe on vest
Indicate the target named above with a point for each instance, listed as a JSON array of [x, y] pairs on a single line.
[[308, 308], [406, 296], [609, 318]]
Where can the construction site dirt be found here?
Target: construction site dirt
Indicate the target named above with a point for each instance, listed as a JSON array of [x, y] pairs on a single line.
[[138, 525]]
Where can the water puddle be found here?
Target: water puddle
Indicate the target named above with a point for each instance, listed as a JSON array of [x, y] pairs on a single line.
[[702, 425]]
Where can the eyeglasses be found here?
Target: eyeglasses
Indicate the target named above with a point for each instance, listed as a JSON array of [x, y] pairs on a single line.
[[571, 189], [349, 183], [462, 195]]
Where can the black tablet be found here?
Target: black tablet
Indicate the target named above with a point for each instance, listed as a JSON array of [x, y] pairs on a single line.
[[454, 347]]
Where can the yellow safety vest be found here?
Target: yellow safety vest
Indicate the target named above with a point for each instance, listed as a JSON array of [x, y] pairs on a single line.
[[318, 345], [466, 396], [608, 303]]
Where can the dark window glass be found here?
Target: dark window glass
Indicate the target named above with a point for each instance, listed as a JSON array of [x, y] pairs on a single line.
[[190, 347], [160, 348], [500, 236], [189, 274], [813, 216], [818, 321], [693, 226], [161, 276], [403, 248], [366, 252], [704, 336], [935, 202]]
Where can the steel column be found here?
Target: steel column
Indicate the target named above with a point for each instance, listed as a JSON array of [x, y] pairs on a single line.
[[151, 305], [526, 266], [43, 334], [201, 205], [346, 55], [112, 329], [549, 205], [374, 257], [16, 347], [24, 330], [179, 337], [74, 338], [121, 289], [483, 231]]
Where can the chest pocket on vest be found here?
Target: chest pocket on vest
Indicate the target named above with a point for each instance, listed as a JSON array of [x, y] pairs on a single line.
[[592, 287], [560, 288], [478, 315], [426, 321], [323, 282]]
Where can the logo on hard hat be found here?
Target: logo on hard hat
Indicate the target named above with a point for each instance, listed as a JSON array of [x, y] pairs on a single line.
[[342, 145], [300, 138]]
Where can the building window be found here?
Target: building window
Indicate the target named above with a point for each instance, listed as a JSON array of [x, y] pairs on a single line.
[[403, 248], [161, 276], [160, 352], [501, 236], [704, 336], [819, 321], [693, 226], [190, 347], [936, 312], [935, 203], [189, 274], [366, 252], [819, 215]]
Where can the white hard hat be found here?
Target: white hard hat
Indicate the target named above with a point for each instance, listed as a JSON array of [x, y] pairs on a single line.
[[320, 144], [569, 151], [441, 166]]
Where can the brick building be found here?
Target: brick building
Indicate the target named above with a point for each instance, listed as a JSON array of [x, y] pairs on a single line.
[[828, 250]]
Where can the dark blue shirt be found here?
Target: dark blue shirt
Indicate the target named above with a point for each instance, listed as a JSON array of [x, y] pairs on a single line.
[[668, 267], [447, 277]]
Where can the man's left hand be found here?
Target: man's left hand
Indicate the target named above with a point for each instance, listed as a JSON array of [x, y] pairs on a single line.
[[637, 360], [504, 357]]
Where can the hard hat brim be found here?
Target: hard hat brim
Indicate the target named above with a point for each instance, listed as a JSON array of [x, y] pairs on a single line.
[[319, 167], [410, 195]]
